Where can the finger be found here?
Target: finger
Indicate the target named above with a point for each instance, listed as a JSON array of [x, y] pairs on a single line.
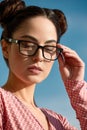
[[61, 59], [71, 56]]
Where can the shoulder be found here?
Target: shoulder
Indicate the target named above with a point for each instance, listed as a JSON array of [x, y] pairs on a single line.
[[1, 100], [3, 94], [4, 97]]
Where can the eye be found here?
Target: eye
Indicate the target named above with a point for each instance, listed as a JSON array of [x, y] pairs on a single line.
[[27, 44], [50, 49]]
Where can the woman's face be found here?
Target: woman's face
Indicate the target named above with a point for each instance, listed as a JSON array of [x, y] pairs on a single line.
[[32, 69]]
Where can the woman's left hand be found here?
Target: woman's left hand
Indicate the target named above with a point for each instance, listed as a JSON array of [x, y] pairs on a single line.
[[71, 65]]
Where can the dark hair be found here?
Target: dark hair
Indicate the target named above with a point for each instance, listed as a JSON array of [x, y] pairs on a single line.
[[14, 12]]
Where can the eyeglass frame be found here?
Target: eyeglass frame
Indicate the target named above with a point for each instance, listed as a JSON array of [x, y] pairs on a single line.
[[16, 41]]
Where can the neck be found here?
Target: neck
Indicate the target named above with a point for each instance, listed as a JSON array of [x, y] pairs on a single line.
[[23, 91]]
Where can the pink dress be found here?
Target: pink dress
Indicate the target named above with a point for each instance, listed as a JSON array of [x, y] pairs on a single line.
[[14, 115]]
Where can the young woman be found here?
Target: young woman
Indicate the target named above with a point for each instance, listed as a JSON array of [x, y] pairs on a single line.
[[29, 43]]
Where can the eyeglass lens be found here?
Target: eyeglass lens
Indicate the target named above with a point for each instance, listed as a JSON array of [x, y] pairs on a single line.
[[29, 49]]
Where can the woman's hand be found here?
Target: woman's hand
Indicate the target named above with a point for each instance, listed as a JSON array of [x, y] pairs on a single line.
[[71, 65]]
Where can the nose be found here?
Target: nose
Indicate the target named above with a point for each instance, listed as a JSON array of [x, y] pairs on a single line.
[[38, 56]]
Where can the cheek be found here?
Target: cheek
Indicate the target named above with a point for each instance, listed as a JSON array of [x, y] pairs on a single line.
[[48, 68], [15, 60]]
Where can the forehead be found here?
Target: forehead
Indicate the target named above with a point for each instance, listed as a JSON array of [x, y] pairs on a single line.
[[37, 27]]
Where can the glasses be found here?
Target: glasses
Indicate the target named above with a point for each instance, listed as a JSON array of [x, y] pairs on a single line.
[[29, 48]]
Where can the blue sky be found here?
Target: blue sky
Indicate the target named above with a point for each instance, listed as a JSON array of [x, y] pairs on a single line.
[[51, 92]]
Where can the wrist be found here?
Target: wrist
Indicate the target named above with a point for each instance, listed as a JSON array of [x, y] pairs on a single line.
[[77, 74]]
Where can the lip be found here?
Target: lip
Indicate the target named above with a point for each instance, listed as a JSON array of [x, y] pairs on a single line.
[[35, 69]]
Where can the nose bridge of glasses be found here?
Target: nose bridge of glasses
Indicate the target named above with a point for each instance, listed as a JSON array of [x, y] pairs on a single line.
[[39, 51]]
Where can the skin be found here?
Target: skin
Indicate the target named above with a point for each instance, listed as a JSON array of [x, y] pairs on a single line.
[[21, 81], [42, 33], [71, 67]]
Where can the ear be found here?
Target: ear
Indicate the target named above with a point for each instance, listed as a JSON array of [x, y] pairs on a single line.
[[5, 47]]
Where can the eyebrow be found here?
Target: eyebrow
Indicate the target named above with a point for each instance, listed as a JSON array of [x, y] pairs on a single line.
[[35, 39]]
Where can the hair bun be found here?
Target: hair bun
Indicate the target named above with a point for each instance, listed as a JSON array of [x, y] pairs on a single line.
[[8, 8], [62, 20]]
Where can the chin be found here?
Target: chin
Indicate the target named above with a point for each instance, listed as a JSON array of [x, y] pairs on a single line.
[[33, 80]]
